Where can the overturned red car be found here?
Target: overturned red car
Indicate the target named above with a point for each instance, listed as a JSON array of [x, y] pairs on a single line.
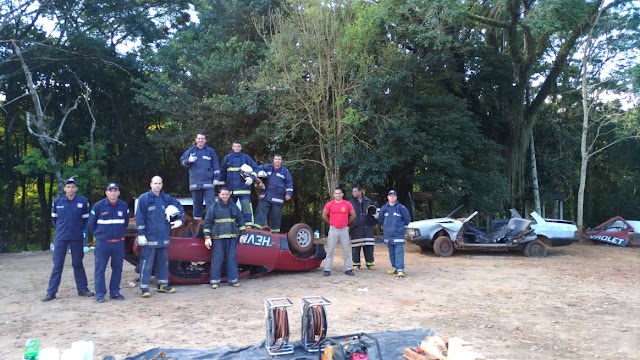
[[616, 231], [263, 251]]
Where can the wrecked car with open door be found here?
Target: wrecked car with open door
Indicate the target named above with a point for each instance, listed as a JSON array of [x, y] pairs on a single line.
[[517, 235]]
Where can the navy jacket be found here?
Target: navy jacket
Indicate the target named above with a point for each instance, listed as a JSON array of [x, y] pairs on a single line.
[[278, 183], [151, 220], [224, 221], [362, 226], [69, 217], [394, 218], [109, 221], [204, 170], [230, 172]]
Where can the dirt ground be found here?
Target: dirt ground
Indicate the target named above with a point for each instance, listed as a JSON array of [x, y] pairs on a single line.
[[579, 302]]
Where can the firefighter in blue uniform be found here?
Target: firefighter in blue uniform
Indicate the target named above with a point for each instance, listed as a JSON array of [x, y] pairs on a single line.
[[157, 213], [108, 223], [204, 174], [69, 214], [224, 224], [279, 188], [239, 182]]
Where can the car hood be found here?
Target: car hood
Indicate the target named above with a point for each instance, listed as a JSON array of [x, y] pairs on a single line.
[[429, 227], [443, 222], [553, 228]]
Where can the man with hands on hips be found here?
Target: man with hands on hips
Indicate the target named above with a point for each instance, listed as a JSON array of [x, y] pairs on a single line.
[[157, 213]]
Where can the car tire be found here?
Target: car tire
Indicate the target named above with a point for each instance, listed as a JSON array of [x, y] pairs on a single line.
[[634, 239], [300, 238], [443, 246], [535, 248]]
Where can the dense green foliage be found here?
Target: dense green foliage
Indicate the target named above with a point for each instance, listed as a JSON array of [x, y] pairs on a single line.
[[435, 99]]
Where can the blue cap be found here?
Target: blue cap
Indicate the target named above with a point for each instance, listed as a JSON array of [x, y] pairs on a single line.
[[70, 181], [392, 192], [113, 186]]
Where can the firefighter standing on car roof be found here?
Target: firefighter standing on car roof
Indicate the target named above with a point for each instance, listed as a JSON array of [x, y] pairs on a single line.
[[239, 182], [108, 223], [394, 217], [223, 227], [69, 214], [279, 188], [204, 174], [157, 213], [361, 229]]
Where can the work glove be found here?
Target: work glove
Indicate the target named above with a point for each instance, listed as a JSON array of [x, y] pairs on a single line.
[[176, 224], [262, 174], [248, 181], [243, 239], [142, 240], [216, 182], [192, 158], [207, 242]]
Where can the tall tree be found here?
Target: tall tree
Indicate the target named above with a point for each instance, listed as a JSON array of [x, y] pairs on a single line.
[[308, 72]]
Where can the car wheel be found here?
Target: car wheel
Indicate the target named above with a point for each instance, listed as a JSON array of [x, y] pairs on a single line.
[[535, 248], [300, 238], [634, 239], [443, 246]]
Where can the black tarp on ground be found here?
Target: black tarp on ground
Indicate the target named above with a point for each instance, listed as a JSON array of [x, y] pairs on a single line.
[[391, 345]]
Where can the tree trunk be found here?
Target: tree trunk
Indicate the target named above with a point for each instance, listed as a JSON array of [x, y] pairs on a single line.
[[517, 146], [45, 215], [534, 176]]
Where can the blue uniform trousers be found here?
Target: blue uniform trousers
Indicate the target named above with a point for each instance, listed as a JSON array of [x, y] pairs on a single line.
[[105, 250], [221, 249], [245, 206], [59, 255], [209, 196], [396, 255], [273, 210], [148, 256]]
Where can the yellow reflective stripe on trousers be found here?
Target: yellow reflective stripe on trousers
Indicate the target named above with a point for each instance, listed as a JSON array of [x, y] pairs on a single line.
[[225, 236], [241, 192]]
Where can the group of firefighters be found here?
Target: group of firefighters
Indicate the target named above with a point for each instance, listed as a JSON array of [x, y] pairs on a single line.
[[227, 216]]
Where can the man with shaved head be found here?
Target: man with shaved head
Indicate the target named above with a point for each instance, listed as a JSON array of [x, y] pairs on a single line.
[[157, 213]]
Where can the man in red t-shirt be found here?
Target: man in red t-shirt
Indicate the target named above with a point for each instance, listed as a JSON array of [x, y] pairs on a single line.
[[338, 213]]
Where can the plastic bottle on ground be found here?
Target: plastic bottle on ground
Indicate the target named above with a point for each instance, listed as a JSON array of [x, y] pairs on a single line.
[[31, 349]]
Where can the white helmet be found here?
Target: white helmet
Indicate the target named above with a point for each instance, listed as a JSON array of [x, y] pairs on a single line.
[[172, 213], [246, 169]]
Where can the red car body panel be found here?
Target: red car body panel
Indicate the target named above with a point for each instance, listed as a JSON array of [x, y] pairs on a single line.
[[616, 231], [189, 258]]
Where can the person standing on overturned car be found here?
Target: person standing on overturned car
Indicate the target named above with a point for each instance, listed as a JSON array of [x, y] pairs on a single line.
[[69, 214], [394, 217], [156, 215], [108, 223], [204, 174], [224, 223], [279, 188], [338, 213]]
